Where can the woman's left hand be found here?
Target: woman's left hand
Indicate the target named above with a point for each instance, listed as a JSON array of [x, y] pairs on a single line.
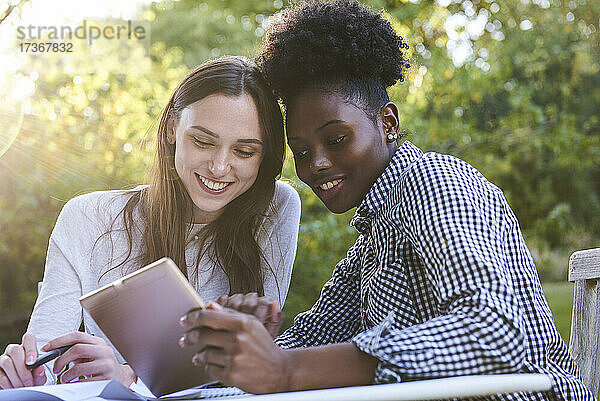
[[93, 358], [236, 349], [265, 309]]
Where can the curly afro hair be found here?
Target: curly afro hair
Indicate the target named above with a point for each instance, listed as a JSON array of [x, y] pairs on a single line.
[[341, 46]]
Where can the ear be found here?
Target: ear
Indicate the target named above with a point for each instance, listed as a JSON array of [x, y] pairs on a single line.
[[389, 118], [171, 130]]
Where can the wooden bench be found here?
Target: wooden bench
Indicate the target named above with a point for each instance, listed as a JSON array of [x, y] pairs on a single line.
[[584, 270]]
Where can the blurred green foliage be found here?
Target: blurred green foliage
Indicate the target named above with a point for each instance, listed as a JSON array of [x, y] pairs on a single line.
[[522, 108], [560, 300]]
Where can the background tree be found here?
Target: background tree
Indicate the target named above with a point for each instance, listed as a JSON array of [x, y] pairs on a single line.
[[511, 87]]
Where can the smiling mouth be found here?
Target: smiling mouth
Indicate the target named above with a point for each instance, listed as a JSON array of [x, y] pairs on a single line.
[[330, 189], [212, 186], [330, 184]]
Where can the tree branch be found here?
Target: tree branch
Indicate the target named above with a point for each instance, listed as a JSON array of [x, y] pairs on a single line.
[[6, 13], [11, 7]]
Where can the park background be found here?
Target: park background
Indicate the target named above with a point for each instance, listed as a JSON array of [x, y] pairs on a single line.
[[512, 87]]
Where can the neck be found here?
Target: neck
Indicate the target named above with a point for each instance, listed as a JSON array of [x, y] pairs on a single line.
[[392, 148], [202, 217]]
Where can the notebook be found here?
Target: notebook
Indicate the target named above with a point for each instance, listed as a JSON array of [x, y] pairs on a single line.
[[110, 390]]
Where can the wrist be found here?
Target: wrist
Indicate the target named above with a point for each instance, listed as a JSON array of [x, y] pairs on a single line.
[[290, 371], [333, 365], [128, 376]]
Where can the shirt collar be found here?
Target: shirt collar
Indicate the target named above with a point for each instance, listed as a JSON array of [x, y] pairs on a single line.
[[375, 198]]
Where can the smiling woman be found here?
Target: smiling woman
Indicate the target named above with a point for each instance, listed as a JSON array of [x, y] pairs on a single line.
[[219, 149], [213, 204], [331, 148]]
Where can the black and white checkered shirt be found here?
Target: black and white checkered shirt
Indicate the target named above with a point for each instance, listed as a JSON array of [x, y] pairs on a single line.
[[440, 283]]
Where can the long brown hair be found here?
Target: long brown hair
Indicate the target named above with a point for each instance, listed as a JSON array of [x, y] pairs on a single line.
[[165, 206]]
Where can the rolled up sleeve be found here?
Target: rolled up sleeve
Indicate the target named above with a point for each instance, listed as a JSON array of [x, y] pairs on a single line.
[[335, 317]]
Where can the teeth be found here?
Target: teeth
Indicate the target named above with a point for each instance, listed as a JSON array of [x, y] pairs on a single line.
[[215, 186], [328, 185]]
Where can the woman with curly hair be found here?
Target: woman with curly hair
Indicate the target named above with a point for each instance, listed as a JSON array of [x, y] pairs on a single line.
[[213, 204], [439, 282]]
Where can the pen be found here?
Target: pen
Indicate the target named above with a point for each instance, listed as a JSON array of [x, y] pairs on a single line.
[[48, 356]]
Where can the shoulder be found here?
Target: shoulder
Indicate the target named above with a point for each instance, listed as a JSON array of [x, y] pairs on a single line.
[[95, 208], [438, 189], [107, 203], [284, 211], [434, 174], [285, 196]]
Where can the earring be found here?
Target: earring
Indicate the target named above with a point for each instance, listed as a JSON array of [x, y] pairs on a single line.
[[391, 136]]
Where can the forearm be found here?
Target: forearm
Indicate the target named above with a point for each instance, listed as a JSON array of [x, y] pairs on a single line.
[[334, 365], [461, 343]]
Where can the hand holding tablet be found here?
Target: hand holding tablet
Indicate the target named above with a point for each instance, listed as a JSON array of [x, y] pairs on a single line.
[[139, 314]]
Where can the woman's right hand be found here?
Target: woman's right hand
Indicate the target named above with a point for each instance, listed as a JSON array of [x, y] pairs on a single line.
[[13, 372], [91, 357], [264, 309]]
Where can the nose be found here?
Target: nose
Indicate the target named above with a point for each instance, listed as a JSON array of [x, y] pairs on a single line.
[[219, 165], [320, 162]]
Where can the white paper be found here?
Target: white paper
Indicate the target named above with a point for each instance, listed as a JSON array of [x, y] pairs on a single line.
[[88, 391]]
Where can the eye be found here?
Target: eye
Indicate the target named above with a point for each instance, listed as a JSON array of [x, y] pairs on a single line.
[[300, 154], [337, 140], [201, 143], [244, 153]]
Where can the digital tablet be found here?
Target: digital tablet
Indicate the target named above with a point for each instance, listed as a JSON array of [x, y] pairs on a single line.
[[140, 314]]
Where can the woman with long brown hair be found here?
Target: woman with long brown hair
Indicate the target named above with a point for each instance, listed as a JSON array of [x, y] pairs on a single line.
[[213, 204]]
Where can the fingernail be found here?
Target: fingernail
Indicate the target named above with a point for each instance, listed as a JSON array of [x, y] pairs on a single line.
[[215, 306], [183, 319], [195, 360], [182, 341], [30, 359]]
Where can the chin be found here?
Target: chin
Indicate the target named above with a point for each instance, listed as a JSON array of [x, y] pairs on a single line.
[[208, 206], [337, 208]]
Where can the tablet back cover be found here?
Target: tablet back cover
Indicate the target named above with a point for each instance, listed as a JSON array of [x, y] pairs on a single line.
[[140, 315]]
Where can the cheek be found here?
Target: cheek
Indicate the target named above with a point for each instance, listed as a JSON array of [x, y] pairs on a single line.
[[189, 157], [365, 157], [179, 162], [247, 170], [302, 170]]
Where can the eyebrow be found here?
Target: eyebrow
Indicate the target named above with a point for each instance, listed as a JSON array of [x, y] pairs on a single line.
[[321, 127], [205, 130], [331, 122], [209, 132]]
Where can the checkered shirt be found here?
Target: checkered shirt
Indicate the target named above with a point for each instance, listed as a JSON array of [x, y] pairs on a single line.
[[440, 283]]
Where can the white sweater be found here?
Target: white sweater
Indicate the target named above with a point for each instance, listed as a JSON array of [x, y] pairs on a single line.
[[78, 255]]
